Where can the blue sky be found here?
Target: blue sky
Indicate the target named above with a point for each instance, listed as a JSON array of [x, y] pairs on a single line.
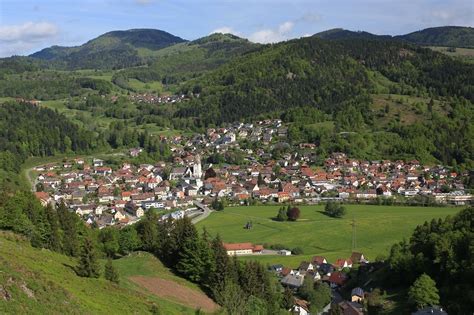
[[30, 25]]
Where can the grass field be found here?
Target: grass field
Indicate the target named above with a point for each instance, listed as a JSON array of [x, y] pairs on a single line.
[[466, 54], [43, 282], [377, 229]]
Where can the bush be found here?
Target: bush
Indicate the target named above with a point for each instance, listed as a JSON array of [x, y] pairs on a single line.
[[334, 210], [293, 213], [282, 215], [297, 251], [275, 246]]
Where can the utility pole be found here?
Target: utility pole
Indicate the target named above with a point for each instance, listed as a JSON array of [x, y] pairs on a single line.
[[354, 240]]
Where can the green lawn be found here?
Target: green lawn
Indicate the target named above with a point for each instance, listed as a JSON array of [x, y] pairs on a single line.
[[377, 229], [153, 87]]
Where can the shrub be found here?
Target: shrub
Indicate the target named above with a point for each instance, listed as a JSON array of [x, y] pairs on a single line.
[[297, 251]]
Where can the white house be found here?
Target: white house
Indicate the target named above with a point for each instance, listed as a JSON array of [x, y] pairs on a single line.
[[284, 252]]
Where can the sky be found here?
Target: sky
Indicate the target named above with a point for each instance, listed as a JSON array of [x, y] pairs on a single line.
[[27, 26]]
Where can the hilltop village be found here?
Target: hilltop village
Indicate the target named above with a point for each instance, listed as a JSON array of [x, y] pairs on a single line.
[[109, 194]]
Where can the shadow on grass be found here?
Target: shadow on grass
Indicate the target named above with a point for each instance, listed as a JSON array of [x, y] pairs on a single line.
[[329, 216], [73, 268]]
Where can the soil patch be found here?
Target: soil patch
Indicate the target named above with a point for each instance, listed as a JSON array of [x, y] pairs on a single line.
[[177, 292]]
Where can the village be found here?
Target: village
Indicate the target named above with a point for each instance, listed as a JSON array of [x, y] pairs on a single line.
[[106, 195]]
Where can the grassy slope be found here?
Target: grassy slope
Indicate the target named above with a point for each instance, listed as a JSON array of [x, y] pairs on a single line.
[[57, 290], [466, 54], [407, 109], [378, 227]]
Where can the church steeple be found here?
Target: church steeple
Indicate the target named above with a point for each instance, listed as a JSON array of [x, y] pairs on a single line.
[[197, 169]]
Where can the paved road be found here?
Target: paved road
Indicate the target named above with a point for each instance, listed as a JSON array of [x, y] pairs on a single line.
[[206, 212]]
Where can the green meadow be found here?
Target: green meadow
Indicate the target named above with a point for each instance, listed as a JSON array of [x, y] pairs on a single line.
[[377, 229]]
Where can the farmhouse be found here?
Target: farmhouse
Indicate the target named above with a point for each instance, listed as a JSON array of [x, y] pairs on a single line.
[[235, 249]]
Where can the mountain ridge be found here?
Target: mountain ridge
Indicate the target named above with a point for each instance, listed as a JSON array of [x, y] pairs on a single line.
[[113, 49], [449, 36], [134, 47]]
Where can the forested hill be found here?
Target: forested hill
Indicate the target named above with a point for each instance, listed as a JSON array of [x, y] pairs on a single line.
[[180, 62], [330, 76], [339, 33], [311, 81], [450, 36], [117, 49]]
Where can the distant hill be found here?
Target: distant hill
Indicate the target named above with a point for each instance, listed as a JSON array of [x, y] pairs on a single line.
[[186, 60], [452, 36], [117, 49], [339, 33]]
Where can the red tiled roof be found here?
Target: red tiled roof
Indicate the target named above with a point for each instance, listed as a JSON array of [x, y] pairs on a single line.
[[338, 278], [242, 246]]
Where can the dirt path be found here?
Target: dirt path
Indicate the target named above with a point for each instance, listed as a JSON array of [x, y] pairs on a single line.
[[177, 292], [30, 178]]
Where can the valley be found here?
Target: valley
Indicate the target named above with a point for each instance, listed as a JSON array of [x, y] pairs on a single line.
[[141, 172]]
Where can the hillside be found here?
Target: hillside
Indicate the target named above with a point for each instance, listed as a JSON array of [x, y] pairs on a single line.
[[339, 33], [447, 36], [451, 36], [117, 49], [338, 78], [327, 75], [40, 281], [180, 62]]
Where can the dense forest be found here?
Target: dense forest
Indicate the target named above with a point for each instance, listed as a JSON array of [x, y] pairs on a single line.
[[28, 130], [325, 75], [442, 249]]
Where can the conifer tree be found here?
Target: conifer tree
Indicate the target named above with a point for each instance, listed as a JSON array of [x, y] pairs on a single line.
[[53, 240], [221, 262], [128, 240], [68, 221], [88, 265], [110, 272], [148, 231], [288, 300], [282, 215]]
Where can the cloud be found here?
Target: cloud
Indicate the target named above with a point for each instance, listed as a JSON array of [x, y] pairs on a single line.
[[225, 30], [29, 31], [278, 34], [21, 38], [451, 16], [286, 27]]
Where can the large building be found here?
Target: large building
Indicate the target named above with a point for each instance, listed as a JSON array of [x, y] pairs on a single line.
[[235, 249]]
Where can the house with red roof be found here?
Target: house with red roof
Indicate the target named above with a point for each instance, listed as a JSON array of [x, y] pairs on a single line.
[[337, 279], [343, 263], [43, 197]]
